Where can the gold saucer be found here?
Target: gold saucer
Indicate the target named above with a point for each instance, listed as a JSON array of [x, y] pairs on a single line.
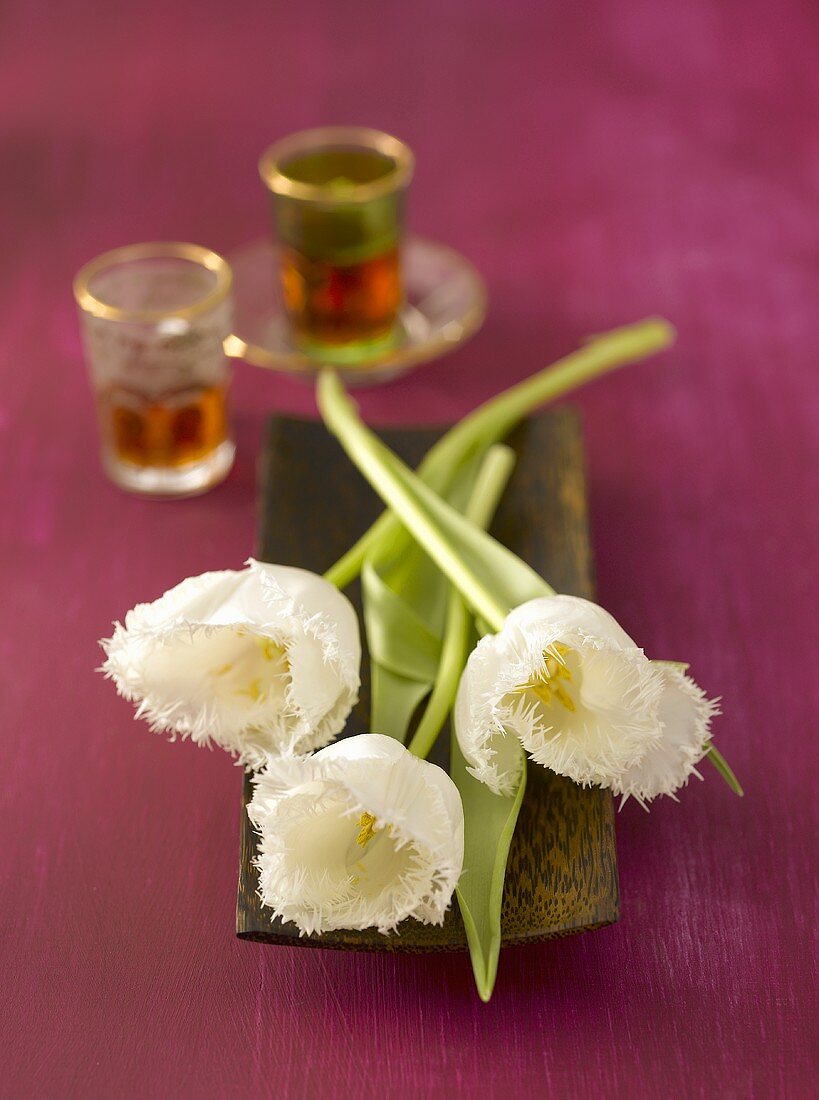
[[445, 305]]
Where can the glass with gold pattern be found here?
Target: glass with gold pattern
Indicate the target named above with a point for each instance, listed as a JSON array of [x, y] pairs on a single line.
[[338, 211], [154, 318]]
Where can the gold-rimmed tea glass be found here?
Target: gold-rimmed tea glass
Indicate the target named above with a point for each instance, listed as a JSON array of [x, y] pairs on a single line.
[[154, 318], [338, 196]]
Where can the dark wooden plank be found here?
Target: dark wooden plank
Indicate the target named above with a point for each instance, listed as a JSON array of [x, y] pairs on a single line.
[[562, 873]]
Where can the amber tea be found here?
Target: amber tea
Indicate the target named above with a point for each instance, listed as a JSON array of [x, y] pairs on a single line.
[[169, 431], [154, 320], [341, 304], [338, 205]]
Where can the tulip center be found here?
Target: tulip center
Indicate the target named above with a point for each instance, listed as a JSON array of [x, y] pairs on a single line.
[[338, 863], [366, 831], [549, 683], [375, 863], [256, 669]]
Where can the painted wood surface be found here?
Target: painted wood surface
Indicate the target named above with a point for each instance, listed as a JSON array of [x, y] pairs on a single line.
[[598, 162], [562, 869]]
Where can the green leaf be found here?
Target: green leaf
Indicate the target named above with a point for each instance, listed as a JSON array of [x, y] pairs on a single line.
[[489, 823], [407, 568], [491, 579], [490, 422], [405, 593], [492, 479], [394, 700], [501, 572], [489, 819], [725, 770], [405, 598], [397, 636]]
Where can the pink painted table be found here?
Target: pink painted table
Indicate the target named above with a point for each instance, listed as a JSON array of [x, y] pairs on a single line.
[[598, 162]]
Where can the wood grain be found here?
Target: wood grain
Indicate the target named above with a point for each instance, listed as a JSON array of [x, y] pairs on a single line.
[[562, 870]]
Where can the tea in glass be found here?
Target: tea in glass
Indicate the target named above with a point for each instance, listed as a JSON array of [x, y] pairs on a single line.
[[154, 319], [338, 209]]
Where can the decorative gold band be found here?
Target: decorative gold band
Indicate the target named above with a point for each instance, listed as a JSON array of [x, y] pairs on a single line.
[[339, 137], [91, 303]]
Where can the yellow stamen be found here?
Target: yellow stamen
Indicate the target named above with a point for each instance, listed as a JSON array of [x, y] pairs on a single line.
[[543, 684], [271, 650], [253, 690], [367, 832], [563, 696]]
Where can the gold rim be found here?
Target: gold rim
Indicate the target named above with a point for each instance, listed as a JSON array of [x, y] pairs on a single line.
[[401, 357], [175, 250], [274, 178]]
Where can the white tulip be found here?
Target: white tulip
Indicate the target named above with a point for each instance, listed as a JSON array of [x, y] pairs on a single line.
[[260, 660], [685, 720], [564, 680], [358, 835]]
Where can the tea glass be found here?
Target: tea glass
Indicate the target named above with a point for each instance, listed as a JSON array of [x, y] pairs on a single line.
[[338, 197], [154, 318]]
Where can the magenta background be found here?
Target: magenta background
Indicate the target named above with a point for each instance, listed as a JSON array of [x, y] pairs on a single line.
[[598, 162]]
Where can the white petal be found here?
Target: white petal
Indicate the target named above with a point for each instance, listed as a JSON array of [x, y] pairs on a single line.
[[685, 716], [613, 688], [569, 613], [197, 663], [308, 812], [491, 754]]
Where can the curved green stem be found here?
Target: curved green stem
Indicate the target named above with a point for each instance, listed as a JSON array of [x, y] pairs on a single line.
[[491, 421], [486, 494], [371, 457]]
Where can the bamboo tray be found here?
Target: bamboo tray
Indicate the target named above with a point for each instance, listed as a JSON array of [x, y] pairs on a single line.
[[562, 871]]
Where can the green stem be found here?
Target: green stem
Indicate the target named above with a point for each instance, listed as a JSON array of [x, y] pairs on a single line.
[[486, 494], [725, 770], [366, 451], [491, 421]]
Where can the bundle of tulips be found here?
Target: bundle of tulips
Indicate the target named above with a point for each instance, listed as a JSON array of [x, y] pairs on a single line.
[[264, 661]]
